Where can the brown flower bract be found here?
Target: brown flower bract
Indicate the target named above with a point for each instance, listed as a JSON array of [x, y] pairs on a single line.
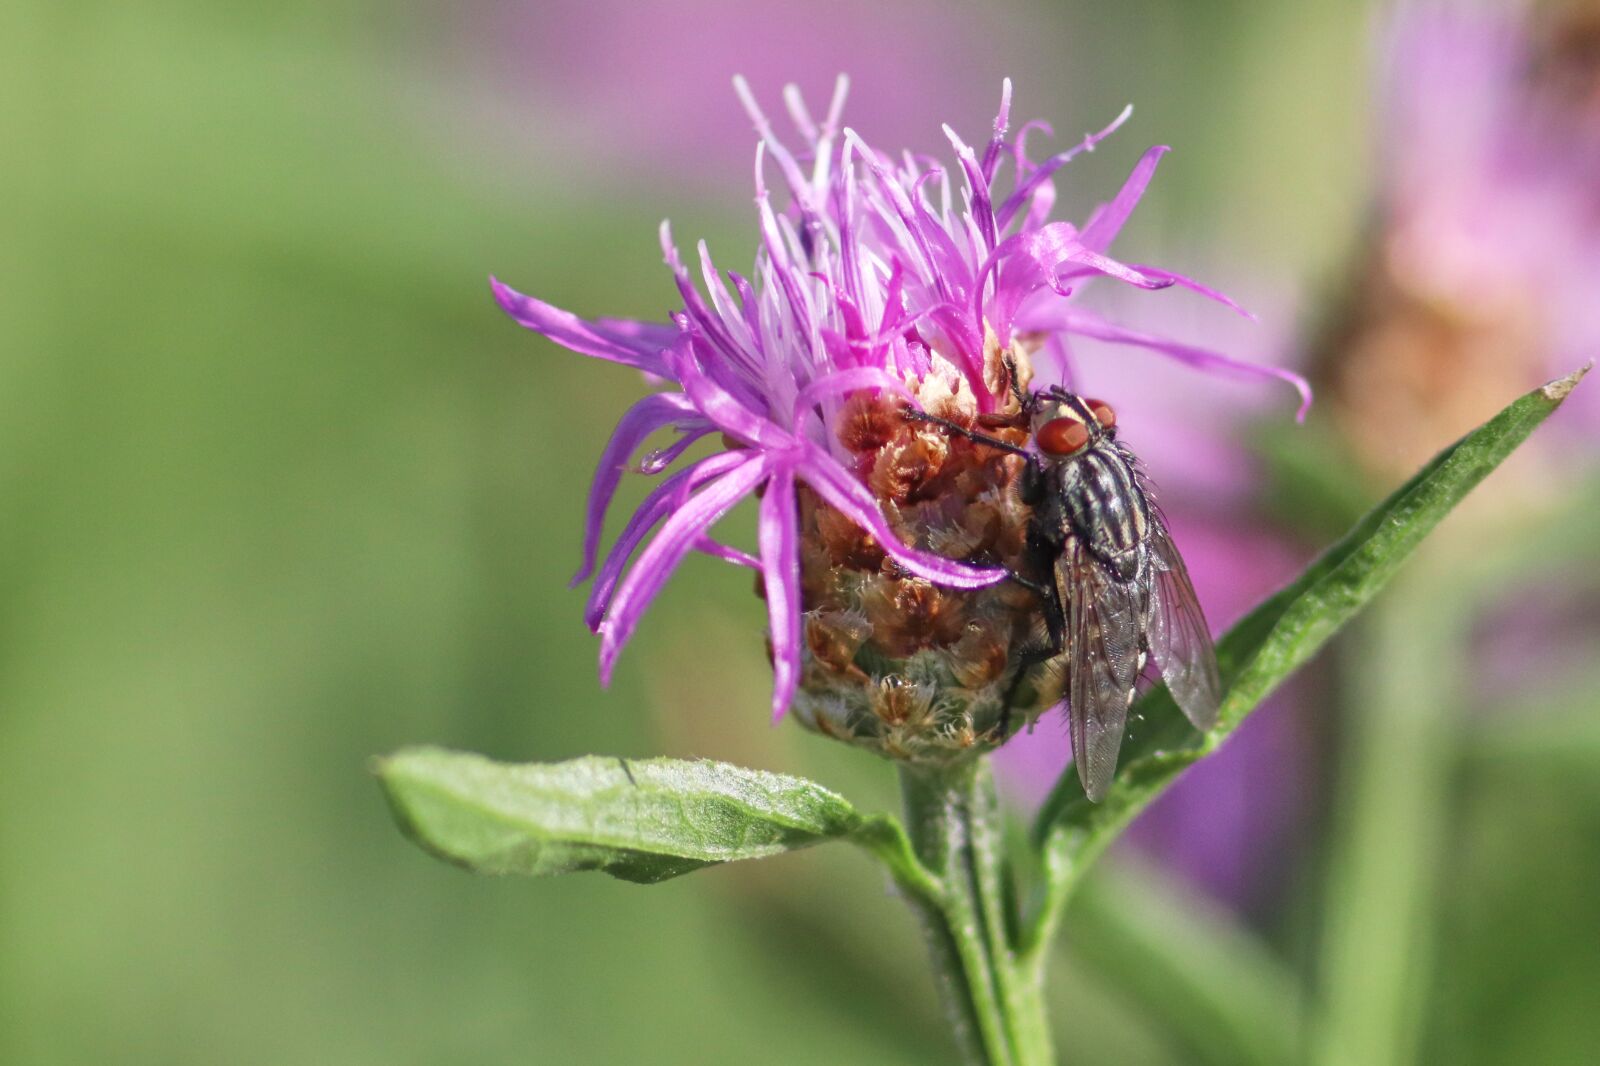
[[895, 663]]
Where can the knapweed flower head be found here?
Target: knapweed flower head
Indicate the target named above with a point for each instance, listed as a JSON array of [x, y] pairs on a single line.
[[881, 284]]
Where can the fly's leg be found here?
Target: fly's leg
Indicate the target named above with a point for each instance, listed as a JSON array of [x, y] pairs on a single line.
[[961, 431], [1024, 400], [1029, 656], [1032, 486], [1032, 483], [1046, 593], [1040, 554]]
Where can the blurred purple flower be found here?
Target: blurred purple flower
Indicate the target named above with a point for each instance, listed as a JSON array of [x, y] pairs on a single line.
[[1540, 639], [1482, 274], [648, 79], [1491, 189], [879, 276]]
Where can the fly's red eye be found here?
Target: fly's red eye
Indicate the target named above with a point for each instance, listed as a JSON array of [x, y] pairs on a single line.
[[1102, 412], [1062, 436]]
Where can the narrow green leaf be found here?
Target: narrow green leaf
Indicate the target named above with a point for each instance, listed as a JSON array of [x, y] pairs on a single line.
[[641, 820], [1389, 830], [1190, 964], [1273, 641]]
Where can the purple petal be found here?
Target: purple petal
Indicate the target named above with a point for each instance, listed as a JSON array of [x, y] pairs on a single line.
[[841, 382], [658, 460], [799, 113], [1087, 324], [841, 91], [642, 419], [953, 264], [721, 407], [1022, 263], [1095, 263], [822, 145], [635, 344], [1044, 247], [779, 536], [834, 484], [1043, 253], [843, 202], [1039, 208], [749, 304], [1192, 285], [982, 208], [709, 323], [778, 255], [741, 331], [997, 140], [900, 203], [966, 344], [1019, 147], [717, 550], [799, 187], [1108, 219], [651, 337], [666, 549], [1042, 172], [662, 500]]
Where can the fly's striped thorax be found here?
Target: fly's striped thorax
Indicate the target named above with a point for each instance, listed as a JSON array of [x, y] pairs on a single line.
[[1107, 507]]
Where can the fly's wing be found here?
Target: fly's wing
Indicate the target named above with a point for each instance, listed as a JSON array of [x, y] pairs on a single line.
[[1180, 641], [1103, 633]]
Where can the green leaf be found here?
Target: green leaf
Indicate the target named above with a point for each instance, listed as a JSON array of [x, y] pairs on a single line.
[[641, 820], [1273, 641]]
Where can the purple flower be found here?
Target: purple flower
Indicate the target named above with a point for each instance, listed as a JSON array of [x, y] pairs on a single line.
[[586, 73], [1481, 274], [1491, 183], [880, 280]]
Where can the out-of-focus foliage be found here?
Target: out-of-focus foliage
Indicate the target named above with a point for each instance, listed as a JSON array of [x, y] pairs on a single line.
[[283, 490]]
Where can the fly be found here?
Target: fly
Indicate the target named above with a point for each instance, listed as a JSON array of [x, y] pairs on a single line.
[[1115, 592]]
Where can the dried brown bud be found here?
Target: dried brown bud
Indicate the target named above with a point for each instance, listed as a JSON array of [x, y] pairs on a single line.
[[979, 658], [867, 422], [908, 613], [834, 636], [898, 702], [845, 544], [961, 734], [906, 464]]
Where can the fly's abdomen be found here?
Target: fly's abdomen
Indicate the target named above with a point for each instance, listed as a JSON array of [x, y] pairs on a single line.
[[1108, 510]]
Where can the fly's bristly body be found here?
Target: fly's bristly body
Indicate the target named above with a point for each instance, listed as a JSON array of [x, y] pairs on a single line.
[[1116, 596]]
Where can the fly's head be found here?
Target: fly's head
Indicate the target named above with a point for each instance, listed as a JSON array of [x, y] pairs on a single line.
[[1066, 426]]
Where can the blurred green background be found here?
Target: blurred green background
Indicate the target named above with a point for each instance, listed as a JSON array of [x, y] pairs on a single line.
[[283, 491]]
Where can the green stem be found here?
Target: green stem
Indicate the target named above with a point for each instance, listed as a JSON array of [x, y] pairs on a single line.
[[1388, 838], [994, 997]]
